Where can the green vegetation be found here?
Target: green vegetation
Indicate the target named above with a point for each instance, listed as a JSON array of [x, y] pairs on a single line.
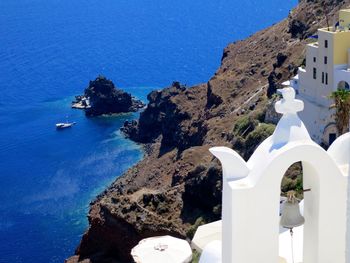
[[289, 184], [293, 180], [259, 134], [192, 230], [341, 105], [195, 256], [259, 115], [249, 131], [245, 125]]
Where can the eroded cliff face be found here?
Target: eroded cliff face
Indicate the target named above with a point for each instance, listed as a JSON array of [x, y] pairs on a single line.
[[169, 118], [178, 184]]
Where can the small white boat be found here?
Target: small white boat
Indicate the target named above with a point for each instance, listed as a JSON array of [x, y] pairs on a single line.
[[63, 125]]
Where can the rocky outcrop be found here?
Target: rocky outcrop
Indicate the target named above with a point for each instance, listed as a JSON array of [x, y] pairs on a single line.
[[213, 100], [105, 98], [177, 186], [280, 73], [165, 116], [117, 232]]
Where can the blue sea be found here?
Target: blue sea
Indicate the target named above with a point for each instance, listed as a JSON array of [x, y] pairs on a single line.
[[49, 50]]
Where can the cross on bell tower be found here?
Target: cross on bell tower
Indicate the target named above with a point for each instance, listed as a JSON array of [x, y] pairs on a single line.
[[290, 127], [288, 105]]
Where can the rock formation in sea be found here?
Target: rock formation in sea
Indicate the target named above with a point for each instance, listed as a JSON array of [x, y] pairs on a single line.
[[102, 97], [177, 186]]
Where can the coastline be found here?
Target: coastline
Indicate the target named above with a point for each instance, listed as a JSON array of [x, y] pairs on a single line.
[[177, 186], [53, 51]]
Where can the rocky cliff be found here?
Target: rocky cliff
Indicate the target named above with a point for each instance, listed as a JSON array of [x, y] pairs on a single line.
[[105, 98], [177, 186]]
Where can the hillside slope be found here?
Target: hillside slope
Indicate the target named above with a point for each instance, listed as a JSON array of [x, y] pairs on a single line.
[[178, 184]]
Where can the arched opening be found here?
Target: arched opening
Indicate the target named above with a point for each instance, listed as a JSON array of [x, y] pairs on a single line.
[[293, 180], [343, 85], [251, 197], [291, 247], [330, 133], [321, 176]]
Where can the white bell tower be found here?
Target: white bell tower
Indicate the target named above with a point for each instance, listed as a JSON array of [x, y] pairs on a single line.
[[251, 194]]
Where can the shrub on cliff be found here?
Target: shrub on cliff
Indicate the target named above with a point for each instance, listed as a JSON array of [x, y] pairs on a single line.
[[262, 131], [202, 197], [293, 180], [249, 132], [192, 230], [245, 125]]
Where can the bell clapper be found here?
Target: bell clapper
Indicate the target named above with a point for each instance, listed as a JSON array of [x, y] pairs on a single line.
[[292, 199], [292, 245]]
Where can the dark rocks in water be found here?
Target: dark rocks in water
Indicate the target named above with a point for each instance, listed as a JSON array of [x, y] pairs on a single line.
[[105, 98], [130, 129]]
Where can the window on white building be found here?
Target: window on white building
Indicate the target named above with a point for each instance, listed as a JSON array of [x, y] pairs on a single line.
[[322, 77], [314, 59], [343, 85], [326, 43], [314, 73], [326, 78], [325, 60]]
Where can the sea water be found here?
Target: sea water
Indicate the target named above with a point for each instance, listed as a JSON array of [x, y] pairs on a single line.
[[49, 50]]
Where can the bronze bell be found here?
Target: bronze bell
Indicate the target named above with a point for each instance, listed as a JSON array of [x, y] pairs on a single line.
[[291, 216]]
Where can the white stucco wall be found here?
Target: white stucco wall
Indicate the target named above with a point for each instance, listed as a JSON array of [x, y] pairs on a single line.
[[340, 153], [341, 73], [251, 206], [251, 194], [316, 118]]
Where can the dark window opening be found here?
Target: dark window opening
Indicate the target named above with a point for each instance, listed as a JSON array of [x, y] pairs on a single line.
[[326, 43], [332, 138], [314, 73], [326, 78], [325, 60], [314, 59], [322, 77]]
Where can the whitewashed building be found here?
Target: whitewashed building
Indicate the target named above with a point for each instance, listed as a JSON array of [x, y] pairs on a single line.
[[327, 69]]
